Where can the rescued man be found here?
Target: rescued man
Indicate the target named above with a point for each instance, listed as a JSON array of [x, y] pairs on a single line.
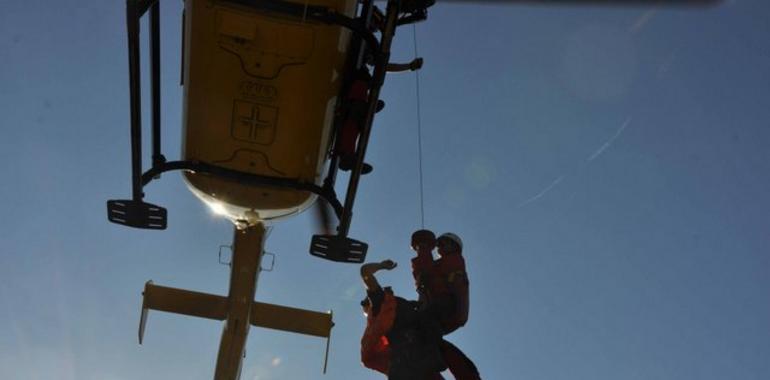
[[397, 341]]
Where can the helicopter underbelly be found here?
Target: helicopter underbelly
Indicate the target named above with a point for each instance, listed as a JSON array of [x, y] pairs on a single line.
[[260, 92]]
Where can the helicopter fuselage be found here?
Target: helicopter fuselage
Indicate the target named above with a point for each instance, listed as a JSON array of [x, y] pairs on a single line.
[[260, 93]]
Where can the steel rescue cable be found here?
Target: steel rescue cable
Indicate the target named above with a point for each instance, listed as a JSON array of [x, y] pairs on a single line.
[[419, 130]]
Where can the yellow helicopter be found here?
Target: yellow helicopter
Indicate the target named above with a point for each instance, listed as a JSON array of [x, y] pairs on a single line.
[[279, 96]]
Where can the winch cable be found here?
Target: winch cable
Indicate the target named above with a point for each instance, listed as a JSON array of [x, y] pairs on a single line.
[[419, 130]]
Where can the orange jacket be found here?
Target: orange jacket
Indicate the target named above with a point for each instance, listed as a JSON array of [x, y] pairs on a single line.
[[375, 348]]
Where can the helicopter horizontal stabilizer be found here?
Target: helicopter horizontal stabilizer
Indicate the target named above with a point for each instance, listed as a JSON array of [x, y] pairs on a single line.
[[179, 301], [136, 214], [211, 306], [338, 248], [291, 319]]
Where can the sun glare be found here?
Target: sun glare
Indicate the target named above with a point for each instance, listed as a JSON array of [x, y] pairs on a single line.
[[217, 208]]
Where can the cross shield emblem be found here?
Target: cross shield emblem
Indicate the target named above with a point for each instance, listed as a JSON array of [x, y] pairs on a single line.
[[254, 122]]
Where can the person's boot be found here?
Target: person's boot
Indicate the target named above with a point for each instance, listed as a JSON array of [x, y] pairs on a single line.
[[348, 162]]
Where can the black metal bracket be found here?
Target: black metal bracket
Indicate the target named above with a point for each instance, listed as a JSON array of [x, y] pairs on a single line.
[[382, 59], [136, 214], [338, 248]]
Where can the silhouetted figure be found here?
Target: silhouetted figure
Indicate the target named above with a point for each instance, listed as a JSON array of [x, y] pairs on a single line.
[[397, 341], [443, 289]]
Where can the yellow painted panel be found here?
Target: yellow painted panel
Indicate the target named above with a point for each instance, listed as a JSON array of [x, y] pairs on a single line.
[[290, 319], [185, 302], [259, 96]]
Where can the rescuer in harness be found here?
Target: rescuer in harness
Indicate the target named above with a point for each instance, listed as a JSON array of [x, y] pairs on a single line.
[[442, 286], [354, 113], [398, 340]]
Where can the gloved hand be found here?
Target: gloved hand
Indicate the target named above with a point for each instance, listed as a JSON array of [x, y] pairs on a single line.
[[388, 264]]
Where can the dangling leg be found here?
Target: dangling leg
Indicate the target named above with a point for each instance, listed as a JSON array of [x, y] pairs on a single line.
[[461, 366]]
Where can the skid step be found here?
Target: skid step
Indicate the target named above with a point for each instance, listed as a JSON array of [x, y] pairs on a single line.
[[338, 248], [136, 214]]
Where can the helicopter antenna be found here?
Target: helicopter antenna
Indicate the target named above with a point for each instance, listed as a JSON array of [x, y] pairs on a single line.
[[419, 130]]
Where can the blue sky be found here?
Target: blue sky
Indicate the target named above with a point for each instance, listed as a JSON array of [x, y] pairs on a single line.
[[607, 170]]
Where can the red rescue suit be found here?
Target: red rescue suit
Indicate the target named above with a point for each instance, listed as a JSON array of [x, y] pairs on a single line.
[[393, 343], [443, 284], [375, 350], [355, 114], [443, 287]]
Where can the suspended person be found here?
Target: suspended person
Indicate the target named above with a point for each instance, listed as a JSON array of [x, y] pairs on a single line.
[[442, 284], [443, 289], [397, 340]]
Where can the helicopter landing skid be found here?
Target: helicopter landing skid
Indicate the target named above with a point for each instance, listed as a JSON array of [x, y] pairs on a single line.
[[338, 248]]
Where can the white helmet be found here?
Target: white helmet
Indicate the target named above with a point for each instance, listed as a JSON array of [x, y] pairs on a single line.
[[454, 238]]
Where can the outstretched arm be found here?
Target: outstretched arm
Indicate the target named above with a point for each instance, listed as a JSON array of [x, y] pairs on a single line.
[[368, 270]]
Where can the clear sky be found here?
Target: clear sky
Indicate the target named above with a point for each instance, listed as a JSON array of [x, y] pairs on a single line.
[[607, 170]]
